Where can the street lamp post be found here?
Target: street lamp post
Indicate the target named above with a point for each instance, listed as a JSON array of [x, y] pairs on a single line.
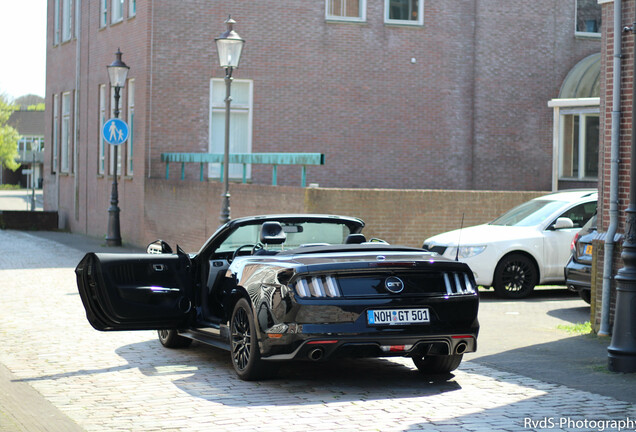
[[228, 46], [117, 73]]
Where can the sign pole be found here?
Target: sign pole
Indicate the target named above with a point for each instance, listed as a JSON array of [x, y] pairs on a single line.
[[114, 132]]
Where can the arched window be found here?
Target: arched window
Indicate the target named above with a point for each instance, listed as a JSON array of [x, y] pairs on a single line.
[[576, 126]]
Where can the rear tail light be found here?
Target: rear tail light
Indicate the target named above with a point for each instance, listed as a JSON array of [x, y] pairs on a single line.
[[458, 283], [573, 244], [318, 287]]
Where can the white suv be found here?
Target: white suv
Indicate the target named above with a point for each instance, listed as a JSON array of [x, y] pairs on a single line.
[[527, 246]]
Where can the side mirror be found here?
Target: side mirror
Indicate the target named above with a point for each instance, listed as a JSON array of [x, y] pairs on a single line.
[[159, 247], [562, 223]]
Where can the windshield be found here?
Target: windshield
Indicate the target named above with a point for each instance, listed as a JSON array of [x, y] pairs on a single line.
[[529, 214], [297, 233]]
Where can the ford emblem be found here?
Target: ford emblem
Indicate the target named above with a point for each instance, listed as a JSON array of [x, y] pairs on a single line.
[[394, 284]]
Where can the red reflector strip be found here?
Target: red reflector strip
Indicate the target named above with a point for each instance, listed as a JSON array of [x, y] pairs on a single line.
[[463, 337], [396, 348], [322, 342]]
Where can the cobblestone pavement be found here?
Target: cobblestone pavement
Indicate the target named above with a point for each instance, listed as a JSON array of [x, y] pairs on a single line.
[[125, 381]]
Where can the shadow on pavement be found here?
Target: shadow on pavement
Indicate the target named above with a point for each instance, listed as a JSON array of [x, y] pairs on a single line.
[[575, 315], [540, 294], [206, 372], [579, 362]]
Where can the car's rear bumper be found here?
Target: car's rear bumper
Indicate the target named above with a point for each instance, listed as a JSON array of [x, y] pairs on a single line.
[[453, 329], [324, 348], [578, 276]]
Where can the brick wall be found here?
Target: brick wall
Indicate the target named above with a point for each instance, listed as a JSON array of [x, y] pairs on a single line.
[[597, 283], [188, 212], [606, 90]]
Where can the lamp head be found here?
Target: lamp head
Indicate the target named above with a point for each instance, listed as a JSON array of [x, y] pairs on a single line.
[[117, 71], [229, 46]]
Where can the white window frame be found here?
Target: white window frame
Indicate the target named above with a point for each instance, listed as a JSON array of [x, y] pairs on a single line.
[[236, 171], [56, 132], [67, 20], [65, 140], [56, 22], [565, 105], [101, 148], [116, 11], [103, 13], [582, 114], [132, 8], [577, 32], [130, 116], [362, 16], [420, 15]]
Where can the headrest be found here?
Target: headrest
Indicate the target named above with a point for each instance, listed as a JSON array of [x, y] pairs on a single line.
[[355, 239], [272, 233]]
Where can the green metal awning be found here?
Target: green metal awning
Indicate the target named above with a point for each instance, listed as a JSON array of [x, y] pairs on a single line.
[[583, 79]]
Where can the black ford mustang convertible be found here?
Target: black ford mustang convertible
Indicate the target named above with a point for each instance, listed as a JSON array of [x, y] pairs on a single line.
[[290, 287]]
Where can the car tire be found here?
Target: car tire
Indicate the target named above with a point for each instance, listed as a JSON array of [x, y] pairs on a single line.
[[172, 339], [515, 277], [438, 364], [245, 353], [586, 295]]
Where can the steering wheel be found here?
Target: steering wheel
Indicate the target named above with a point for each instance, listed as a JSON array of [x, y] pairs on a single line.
[[255, 247]]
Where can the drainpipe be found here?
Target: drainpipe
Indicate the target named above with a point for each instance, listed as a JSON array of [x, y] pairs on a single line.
[[76, 111], [614, 155]]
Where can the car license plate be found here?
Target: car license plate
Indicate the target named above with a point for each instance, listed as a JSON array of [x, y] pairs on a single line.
[[588, 250], [398, 316]]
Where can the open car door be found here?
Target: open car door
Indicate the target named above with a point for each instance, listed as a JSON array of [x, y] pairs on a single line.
[[136, 291]]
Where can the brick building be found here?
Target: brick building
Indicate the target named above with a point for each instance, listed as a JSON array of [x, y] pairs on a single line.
[[407, 94]]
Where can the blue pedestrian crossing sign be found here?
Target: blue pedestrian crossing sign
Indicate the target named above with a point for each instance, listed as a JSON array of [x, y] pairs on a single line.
[[115, 131]]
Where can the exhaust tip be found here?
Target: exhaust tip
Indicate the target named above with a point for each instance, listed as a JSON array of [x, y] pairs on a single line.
[[316, 354], [461, 348]]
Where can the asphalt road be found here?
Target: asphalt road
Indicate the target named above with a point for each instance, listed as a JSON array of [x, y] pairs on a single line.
[[20, 199]]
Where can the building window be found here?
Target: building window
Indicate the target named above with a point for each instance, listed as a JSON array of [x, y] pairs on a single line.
[[66, 132], [132, 8], [131, 126], [103, 13], [346, 10], [112, 147], [588, 18], [67, 20], [56, 131], [101, 158], [240, 123], [410, 12], [56, 22], [28, 144], [579, 145], [117, 11]]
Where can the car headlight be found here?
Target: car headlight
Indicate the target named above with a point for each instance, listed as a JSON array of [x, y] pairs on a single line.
[[464, 251]]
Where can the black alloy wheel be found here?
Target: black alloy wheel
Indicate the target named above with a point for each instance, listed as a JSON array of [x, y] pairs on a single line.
[[586, 296], [246, 357], [515, 277], [172, 339], [438, 364]]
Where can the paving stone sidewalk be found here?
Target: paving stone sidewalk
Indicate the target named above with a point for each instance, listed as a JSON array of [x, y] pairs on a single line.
[[125, 381]]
